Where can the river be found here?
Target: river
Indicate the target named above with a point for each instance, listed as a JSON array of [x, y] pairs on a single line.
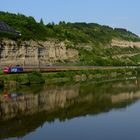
[[101, 110]]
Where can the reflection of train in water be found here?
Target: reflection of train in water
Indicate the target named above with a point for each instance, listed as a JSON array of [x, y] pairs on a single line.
[[11, 95], [13, 69]]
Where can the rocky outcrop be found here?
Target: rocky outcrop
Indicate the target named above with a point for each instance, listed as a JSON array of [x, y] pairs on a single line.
[[124, 44], [35, 52]]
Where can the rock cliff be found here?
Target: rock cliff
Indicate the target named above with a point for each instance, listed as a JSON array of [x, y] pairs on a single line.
[[35, 52], [124, 44], [55, 52]]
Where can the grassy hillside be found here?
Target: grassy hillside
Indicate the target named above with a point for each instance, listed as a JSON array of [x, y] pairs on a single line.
[[76, 32], [95, 35]]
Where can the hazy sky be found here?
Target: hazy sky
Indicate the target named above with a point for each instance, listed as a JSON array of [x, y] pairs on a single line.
[[115, 13]]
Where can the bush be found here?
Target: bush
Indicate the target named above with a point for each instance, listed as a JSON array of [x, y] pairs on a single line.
[[35, 77]]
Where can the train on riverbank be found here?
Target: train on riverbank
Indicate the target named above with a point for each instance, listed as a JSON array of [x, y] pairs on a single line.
[[29, 69], [13, 69]]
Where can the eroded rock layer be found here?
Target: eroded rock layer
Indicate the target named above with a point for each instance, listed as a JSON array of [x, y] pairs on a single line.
[[35, 53]]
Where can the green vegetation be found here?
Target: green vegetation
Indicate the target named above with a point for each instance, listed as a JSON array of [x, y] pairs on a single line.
[[35, 77], [59, 77], [23, 79], [75, 32], [98, 37], [27, 26]]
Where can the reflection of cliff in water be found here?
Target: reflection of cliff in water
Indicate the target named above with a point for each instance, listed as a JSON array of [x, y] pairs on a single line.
[[28, 111]]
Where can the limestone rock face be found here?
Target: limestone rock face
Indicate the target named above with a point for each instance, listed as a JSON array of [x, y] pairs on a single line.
[[35, 52], [124, 44]]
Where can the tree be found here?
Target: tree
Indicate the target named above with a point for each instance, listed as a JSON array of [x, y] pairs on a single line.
[[41, 21], [62, 23]]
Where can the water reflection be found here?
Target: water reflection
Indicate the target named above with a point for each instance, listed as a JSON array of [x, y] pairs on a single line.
[[28, 108]]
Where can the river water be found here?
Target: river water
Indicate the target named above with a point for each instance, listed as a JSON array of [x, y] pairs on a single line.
[[103, 110]]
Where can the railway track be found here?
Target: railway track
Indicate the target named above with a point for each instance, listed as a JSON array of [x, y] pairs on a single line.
[[73, 68]]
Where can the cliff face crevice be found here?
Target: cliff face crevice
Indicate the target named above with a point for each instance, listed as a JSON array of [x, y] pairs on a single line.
[[35, 53]]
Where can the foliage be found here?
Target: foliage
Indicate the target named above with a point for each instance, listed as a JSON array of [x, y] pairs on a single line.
[[35, 77], [27, 26], [75, 32], [96, 35]]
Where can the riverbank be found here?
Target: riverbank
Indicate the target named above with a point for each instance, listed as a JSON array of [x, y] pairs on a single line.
[[11, 80]]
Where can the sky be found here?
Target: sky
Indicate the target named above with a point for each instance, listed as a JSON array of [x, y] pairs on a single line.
[[115, 13]]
